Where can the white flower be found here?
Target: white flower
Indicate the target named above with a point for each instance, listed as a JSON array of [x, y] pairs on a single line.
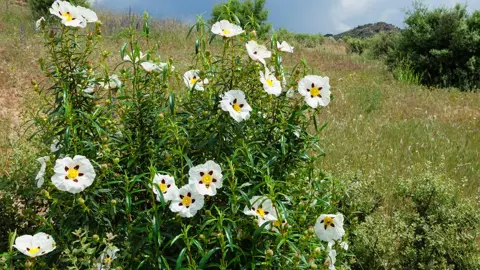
[[262, 208], [55, 146], [187, 202], [34, 246], [276, 225], [113, 82], [40, 178], [234, 102], [191, 79], [258, 52], [329, 227], [106, 258], [90, 88], [284, 47], [70, 15], [137, 58], [331, 258], [226, 29], [88, 14], [38, 24], [270, 84], [290, 93], [206, 178], [73, 175], [344, 245], [315, 89], [166, 185]]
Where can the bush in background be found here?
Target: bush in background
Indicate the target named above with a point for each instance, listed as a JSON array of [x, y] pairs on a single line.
[[251, 15], [304, 40], [442, 45], [429, 226]]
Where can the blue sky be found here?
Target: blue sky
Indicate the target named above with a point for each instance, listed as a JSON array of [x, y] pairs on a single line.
[[302, 16]]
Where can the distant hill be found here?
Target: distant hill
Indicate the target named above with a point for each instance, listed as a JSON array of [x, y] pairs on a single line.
[[369, 30]]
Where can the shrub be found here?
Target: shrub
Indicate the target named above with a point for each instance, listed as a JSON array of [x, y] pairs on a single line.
[[304, 40], [430, 227], [356, 45], [127, 133], [380, 45], [443, 45], [251, 15]]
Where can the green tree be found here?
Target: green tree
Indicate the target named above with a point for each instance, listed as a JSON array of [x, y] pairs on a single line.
[[251, 15]]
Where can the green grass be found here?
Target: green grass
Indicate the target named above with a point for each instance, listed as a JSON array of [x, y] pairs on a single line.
[[381, 128]]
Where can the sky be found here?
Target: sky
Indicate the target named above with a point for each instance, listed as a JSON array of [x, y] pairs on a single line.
[[301, 16]]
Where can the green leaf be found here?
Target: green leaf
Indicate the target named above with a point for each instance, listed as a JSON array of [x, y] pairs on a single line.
[[171, 103], [123, 49], [207, 256], [178, 265]]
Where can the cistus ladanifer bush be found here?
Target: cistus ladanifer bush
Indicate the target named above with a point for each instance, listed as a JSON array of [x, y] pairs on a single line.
[[146, 166]]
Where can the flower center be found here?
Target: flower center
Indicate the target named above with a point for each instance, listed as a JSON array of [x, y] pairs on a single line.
[[67, 16], [72, 173], [226, 31], [315, 91], [328, 221], [237, 107], [187, 200], [108, 260], [163, 187], [207, 179], [260, 212], [269, 82], [33, 250]]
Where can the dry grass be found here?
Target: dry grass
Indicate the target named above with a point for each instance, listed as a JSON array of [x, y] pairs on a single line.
[[378, 127]]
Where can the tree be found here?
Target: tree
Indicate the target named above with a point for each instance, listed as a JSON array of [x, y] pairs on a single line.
[[251, 15]]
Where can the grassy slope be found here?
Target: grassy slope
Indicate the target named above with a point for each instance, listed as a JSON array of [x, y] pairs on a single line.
[[378, 128]]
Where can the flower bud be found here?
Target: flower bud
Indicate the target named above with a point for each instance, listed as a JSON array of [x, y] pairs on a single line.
[[202, 237], [108, 102], [269, 253], [161, 116], [313, 266], [116, 160], [45, 193], [113, 201], [95, 237], [311, 230], [105, 54], [317, 251], [208, 213], [81, 201]]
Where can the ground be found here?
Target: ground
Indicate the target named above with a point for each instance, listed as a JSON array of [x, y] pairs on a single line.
[[379, 129]]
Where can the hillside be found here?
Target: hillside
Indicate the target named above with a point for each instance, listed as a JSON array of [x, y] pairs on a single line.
[[368, 30]]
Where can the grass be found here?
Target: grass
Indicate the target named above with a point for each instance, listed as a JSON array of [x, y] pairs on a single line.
[[380, 128]]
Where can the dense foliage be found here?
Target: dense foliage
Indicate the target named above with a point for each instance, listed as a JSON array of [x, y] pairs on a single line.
[[250, 14], [152, 119], [428, 227]]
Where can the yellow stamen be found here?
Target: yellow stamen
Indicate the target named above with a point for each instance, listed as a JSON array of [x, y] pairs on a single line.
[[269, 82], [193, 81], [327, 221], [314, 91], [187, 201], [237, 107], [261, 212], [207, 179], [108, 260], [226, 31], [33, 250], [72, 173], [163, 187], [67, 16]]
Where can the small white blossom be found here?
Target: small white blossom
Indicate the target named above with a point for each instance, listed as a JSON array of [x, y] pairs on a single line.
[[73, 175], [234, 102], [40, 178], [258, 52], [112, 83], [270, 83], [68, 13], [166, 185], [284, 47], [262, 208], [137, 58], [329, 227], [106, 258], [187, 202], [38, 24], [192, 80], [36, 245], [226, 29], [315, 89], [207, 178]]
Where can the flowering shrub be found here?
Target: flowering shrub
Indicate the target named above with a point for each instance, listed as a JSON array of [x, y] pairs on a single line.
[[213, 167]]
